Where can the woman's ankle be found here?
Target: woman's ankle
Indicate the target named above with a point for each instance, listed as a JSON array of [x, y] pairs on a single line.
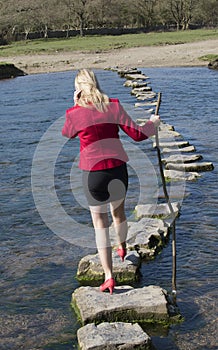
[[108, 276], [122, 245]]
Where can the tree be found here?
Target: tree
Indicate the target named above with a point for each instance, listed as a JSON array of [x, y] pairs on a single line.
[[188, 11], [182, 12], [206, 13], [79, 9], [145, 10], [45, 15], [163, 15], [25, 19], [19, 18]]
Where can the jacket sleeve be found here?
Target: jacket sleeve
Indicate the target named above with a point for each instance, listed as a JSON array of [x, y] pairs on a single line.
[[132, 129], [68, 128]]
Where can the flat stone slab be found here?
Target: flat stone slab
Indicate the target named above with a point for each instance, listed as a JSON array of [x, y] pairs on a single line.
[[175, 175], [147, 98], [181, 158], [156, 210], [198, 166], [172, 144], [167, 134], [166, 127], [90, 269], [134, 84], [143, 97], [135, 76], [125, 304], [140, 90], [112, 336], [147, 236], [124, 71], [179, 150]]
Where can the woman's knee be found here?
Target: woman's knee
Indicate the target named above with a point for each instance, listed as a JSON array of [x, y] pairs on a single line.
[[99, 217]]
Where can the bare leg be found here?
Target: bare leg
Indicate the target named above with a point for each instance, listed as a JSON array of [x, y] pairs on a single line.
[[101, 224], [119, 220]]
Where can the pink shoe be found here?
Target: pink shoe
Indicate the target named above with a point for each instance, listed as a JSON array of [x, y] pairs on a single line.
[[108, 284], [122, 253]]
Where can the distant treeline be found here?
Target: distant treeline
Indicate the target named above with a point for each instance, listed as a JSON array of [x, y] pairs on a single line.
[[32, 19]]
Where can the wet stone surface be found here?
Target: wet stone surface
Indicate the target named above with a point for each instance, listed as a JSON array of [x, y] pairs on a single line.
[[117, 335], [125, 304]]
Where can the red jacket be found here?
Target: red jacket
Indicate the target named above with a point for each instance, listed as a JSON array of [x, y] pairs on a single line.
[[100, 146]]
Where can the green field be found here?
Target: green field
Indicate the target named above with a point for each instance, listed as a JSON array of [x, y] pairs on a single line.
[[105, 43]]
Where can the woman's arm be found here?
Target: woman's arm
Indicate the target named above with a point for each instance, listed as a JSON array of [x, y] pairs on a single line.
[[68, 128], [135, 131]]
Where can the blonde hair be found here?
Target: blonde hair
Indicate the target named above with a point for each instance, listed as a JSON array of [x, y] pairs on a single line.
[[91, 94]]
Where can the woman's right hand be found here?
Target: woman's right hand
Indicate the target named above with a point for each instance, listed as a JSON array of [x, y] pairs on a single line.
[[155, 119]]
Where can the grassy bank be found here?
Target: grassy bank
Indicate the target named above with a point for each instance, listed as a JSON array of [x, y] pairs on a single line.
[[105, 43]]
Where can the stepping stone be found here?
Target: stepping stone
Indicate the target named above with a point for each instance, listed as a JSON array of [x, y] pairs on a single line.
[[134, 84], [166, 127], [174, 150], [167, 134], [143, 97], [204, 166], [125, 71], [90, 269], [136, 76], [175, 175], [147, 236], [172, 144], [146, 112], [182, 158], [156, 210], [125, 304], [140, 90], [116, 335]]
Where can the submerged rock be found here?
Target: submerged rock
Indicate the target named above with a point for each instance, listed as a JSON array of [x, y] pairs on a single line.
[[111, 336]]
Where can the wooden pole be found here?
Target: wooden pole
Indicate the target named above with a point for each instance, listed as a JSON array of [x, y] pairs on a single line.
[[173, 226]]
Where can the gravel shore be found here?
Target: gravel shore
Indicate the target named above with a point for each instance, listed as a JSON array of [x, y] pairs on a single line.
[[149, 56]]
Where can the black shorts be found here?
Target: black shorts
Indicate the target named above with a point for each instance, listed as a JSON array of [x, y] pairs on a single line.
[[105, 186]]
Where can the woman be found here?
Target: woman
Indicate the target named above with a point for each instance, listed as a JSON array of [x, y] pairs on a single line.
[[96, 119]]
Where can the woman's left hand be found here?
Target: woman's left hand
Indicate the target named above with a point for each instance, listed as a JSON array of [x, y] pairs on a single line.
[[155, 119]]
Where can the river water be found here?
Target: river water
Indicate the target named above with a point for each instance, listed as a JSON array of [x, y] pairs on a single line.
[[39, 261]]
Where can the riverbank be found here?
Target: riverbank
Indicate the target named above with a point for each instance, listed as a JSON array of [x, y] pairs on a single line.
[[179, 55]]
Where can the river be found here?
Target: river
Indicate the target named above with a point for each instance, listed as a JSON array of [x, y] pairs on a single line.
[[38, 267]]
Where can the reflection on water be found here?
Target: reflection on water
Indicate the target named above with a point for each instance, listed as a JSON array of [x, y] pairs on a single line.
[[38, 268]]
